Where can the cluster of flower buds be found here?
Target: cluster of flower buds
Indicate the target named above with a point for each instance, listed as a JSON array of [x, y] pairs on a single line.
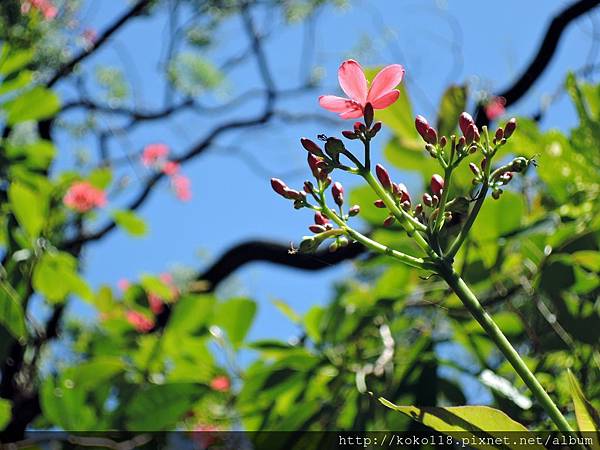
[[362, 132], [436, 187], [503, 175], [282, 189], [398, 192]]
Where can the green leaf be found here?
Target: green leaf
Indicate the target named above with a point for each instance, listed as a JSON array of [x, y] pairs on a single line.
[[55, 276], [18, 82], [154, 285], [14, 60], [235, 316], [452, 104], [589, 259], [159, 407], [5, 412], [35, 104], [464, 422], [287, 310], [65, 405], [587, 417], [130, 222], [312, 323], [499, 217], [29, 207], [11, 311], [100, 178]]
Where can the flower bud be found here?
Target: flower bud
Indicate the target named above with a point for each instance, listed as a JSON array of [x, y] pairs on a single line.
[[375, 129], [309, 244], [474, 169], [379, 203], [342, 241], [317, 228], [311, 147], [320, 219], [384, 177], [443, 141], [464, 122], [427, 200], [359, 127], [432, 137], [510, 127], [431, 150], [389, 220], [418, 209], [499, 134], [325, 179], [405, 206], [421, 125], [333, 246], [401, 192], [279, 186], [519, 164], [308, 187], [313, 163], [337, 191], [461, 142], [349, 134], [505, 177], [436, 184], [496, 194], [333, 147], [354, 211], [368, 115], [472, 134]]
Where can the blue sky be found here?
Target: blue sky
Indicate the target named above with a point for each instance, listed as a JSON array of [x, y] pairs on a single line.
[[438, 42]]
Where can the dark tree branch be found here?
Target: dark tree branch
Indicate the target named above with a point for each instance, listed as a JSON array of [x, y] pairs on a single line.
[[67, 68], [544, 55]]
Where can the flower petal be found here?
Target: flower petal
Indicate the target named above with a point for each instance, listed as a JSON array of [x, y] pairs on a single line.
[[352, 114], [387, 79], [336, 104], [386, 100], [352, 80]]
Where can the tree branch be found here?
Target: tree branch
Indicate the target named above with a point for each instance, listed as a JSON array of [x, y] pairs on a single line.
[[542, 59]]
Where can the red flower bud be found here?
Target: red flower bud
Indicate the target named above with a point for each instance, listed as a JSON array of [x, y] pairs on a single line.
[[313, 163], [375, 129], [280, 187], [432, 137], [317, 228], [389, 220], [464, 121], [311, 147], [427, 200], [418, 209], [379, 203], [510, 127], [499, 134], [337, 191], [349, 134], [320, 219], [437, 184], [443, 141], [355, 210], [472, 133], [474, 169], [422, 126], [384, 177], [368, 115], [308, 187], [401, 192], [358, 127]]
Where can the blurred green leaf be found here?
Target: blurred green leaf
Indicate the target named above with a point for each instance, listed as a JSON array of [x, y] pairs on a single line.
[[464, 421], [453, 103], [12, 315], [55, 276], [587, 417], [12, 60], [287, 311], [154, 285], [29, 207], [235, 316], [130, 222], [35, 104], [5, 412]]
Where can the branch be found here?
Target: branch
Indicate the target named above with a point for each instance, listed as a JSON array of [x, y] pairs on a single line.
[[67, 68], [276, 253], [544, 55]]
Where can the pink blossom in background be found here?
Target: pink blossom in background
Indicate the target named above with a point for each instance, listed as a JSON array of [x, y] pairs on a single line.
[[495, 108], [353, 82], [220, 383], [182, 187], [123, 284], [140, 322], [156, 303], [153, 153], [46, 7], [83, 197], [170, 168], [205, 435]]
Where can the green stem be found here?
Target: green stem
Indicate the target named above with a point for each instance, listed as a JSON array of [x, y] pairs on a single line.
[[373, 245], [493, 331], [464, 232], [439, 220]]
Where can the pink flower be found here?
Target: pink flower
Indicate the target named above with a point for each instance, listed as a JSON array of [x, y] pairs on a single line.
[[153, 153], [156, 303], [495, 108], [220, 383], [181, 184], [82, 197], [352, 79], [140, 322], [46, 7], [170, 168], [123, 284]]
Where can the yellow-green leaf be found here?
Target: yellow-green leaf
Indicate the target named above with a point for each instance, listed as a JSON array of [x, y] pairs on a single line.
[[465, 421], [29, 208], [5, 412], [587, 417], [37, 103], [130, 222]]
